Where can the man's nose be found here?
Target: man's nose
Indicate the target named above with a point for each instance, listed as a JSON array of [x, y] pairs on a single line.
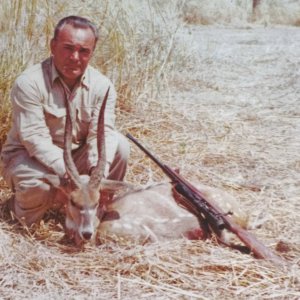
[[75, 55]]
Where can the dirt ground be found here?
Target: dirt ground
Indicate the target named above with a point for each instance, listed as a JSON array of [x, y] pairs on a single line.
[[246, 83], [235, 125]]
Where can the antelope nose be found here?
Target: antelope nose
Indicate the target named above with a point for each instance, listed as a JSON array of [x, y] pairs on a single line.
[[87, 235]]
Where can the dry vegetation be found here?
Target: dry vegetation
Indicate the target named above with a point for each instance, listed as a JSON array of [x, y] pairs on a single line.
[[219, 102]]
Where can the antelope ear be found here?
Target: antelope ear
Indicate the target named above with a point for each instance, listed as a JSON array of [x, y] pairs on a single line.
[[116, 186], [110, 216], [56, 181]]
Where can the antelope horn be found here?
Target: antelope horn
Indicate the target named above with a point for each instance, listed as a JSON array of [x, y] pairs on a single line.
[[98, 171], [69, 162]]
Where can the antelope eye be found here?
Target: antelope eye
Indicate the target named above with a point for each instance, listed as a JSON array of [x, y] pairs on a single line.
[[73, 203], [95, 205]]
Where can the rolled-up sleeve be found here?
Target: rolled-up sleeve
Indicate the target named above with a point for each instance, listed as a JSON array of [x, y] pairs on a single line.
[[29, 121]]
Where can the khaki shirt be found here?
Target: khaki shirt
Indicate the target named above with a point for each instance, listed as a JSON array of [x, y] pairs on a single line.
[[39, 116]]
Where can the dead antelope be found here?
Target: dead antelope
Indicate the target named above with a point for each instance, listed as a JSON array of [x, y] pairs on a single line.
[[82, 191], [141, 213]]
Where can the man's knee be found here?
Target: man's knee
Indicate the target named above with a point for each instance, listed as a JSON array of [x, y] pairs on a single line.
[[117, 168], [123, 148], [32, 199]]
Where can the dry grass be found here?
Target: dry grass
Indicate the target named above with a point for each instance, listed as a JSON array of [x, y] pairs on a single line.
[[207, 12], [285, 12], [239, 12], [228, 118]]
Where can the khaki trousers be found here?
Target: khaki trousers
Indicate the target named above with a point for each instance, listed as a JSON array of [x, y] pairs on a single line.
[[33, 196]]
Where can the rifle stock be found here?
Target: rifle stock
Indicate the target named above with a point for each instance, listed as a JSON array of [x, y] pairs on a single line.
[[215, 217]]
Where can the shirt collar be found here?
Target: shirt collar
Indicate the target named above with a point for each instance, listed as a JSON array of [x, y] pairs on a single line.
[[55, 76]]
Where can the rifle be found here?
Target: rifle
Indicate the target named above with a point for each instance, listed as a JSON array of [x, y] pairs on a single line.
[[209, 214]]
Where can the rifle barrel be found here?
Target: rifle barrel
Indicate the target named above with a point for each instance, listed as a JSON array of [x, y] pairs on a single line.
[[186, 189]]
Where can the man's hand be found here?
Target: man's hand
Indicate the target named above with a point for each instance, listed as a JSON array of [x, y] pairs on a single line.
[[91, 170]]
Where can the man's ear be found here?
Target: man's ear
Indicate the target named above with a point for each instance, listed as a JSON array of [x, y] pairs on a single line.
[[52, 45]]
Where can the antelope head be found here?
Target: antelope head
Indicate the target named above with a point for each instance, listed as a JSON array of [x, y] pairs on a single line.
[[83, 190]]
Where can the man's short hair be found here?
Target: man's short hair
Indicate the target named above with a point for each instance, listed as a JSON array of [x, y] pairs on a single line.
[[76, 22]]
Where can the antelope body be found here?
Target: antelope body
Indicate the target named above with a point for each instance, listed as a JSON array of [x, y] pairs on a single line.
[[152, 213]]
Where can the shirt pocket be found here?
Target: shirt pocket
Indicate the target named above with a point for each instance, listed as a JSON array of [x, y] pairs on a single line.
[[55, 120], [84, 113]]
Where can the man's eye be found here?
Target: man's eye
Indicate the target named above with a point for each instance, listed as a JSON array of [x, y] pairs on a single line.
[[85, 51], [70, 48]]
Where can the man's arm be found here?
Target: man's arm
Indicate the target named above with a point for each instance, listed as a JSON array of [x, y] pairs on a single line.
[[29, 119]]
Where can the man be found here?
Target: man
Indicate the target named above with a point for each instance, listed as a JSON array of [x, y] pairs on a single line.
[[34, 145]]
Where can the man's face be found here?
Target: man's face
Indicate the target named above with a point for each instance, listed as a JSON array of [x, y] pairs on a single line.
[[72, 51]]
